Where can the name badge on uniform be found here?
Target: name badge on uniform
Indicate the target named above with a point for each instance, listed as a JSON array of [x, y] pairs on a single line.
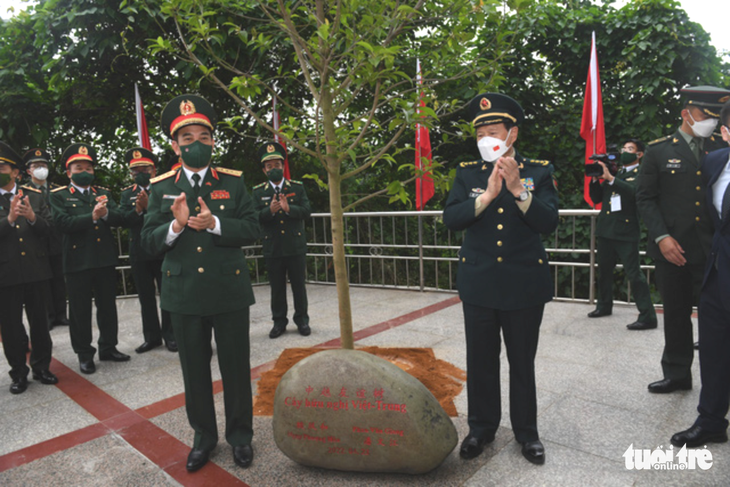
[[528, 183], [475, 192], [72, 199], [674, 163], [615, 202], [169, 196], [264, 198]]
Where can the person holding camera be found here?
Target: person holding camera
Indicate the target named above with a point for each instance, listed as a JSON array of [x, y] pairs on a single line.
[[617, 232]]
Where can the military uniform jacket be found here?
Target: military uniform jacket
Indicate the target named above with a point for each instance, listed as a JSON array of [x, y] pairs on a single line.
[[283, 233], [712, 166], [617, 225], [203, 274], [54, 238], [24, 254], [134, 221], [502, 262], [86, 244], [670, 195]]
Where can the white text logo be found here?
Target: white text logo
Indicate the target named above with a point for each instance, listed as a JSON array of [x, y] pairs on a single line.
[[660, 459]]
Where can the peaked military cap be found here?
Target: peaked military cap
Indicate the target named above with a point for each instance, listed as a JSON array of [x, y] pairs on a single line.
[[37, 155], [77, 153], [139, 156], [490, 108], [186, 110], [9, 156], [709, 99], [271, 150]]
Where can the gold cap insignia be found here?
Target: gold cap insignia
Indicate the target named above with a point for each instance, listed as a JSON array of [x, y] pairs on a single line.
[[83, 150], [137, 154], [485, 104], [38, 152], [724, 99], [270, 148], [187, 107]]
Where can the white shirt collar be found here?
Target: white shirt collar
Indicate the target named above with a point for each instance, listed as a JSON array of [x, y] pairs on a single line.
[[14, 190], [189, 174]]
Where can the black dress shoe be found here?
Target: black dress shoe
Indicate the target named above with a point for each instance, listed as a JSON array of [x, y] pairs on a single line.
[[304, 330], [598, 313], [697, 436], [60, 322], [114, 355], [640, 325], [45, 376], [87, 366], [19, 385], [472, 446], [243, 455], [670, 385], [534, 452], [171, 345], [196, 459], [147, 346], [277, 331]]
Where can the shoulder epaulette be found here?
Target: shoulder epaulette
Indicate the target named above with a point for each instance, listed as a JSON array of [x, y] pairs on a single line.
[[54, 186], [660, 139], [537, 162], [163, 176], [102, 187], [230, 172], [129, 187], [467, 164], [58, 189], [31, 188], [260, 185], [296, 182]]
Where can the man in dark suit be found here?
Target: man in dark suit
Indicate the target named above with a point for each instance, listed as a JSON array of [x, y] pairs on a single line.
[[24, 272], [714, 314], [146, 268], [503, 202], [671, 200], [617, 232], [283, 206], [37, 163], [200, 217], [84, 214]]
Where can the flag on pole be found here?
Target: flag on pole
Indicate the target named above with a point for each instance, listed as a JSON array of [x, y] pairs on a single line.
[[142, 134], [424, 182], [591, 129], [278, 139]]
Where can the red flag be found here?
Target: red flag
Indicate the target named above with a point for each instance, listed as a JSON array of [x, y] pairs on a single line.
[[424, 183], [278, 139], [591, 129], [143, 135]]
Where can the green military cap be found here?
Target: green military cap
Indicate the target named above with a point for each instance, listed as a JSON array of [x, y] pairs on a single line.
[[139, 156], [709, 99], [186, 110], [37, 155], [9, 156], [271, 150], [490, 108], [77, 153]]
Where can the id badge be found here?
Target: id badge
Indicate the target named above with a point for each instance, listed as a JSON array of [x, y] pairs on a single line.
[[616, 202]]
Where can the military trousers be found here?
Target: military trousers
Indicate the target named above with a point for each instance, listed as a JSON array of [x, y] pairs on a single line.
[[609, 252], [15, 339], [145, 274], [680, 290], [57, 290], [520, 329], [295, 267], [193, 335], [101, 285]]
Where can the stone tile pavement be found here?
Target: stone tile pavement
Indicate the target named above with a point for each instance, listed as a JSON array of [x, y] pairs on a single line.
[[126, 424]]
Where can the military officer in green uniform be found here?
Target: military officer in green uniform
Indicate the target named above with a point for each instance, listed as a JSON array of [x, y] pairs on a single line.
[[200, 217], [37, 163], [85, 214], [283, 206], [618, 235], [671, 198], [24, 272], [146, 268], [503, 202]]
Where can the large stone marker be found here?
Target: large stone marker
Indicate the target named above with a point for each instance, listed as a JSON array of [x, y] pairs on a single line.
[[349, 410]]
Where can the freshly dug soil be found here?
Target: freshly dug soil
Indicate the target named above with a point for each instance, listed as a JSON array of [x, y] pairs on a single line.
[[445, 381]]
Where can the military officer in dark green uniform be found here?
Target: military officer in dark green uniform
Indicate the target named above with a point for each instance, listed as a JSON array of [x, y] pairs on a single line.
[[200, 217], [24, 272], [671, 198], [618, 234], [37, 163], [146, 268], [283, 206], [503, 202], [85, 214]]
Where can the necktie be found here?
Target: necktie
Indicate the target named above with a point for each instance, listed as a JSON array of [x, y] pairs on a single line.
[[278, 192], [725, 202], [196, 185], [694, 145], [9, 197]]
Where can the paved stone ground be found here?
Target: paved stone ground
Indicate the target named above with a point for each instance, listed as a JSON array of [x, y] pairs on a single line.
[[126, 424]]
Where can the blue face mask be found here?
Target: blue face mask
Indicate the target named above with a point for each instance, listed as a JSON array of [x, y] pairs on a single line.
[[196, 155]]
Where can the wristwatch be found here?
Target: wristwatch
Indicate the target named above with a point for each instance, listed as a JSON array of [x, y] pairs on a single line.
[[523, 195]]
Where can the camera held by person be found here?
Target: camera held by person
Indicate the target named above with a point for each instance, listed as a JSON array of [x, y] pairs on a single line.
[[610, 159]]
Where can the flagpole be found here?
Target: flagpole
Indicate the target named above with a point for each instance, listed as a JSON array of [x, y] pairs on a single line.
[[419, 182]]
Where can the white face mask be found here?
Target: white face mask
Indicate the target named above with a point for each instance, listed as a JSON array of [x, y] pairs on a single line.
[[492, 148], [40, 173], [703, 128]]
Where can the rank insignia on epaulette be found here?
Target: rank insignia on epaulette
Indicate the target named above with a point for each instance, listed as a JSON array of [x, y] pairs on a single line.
[[467, 164], [230, 172], [259, 185], [528, 183]]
